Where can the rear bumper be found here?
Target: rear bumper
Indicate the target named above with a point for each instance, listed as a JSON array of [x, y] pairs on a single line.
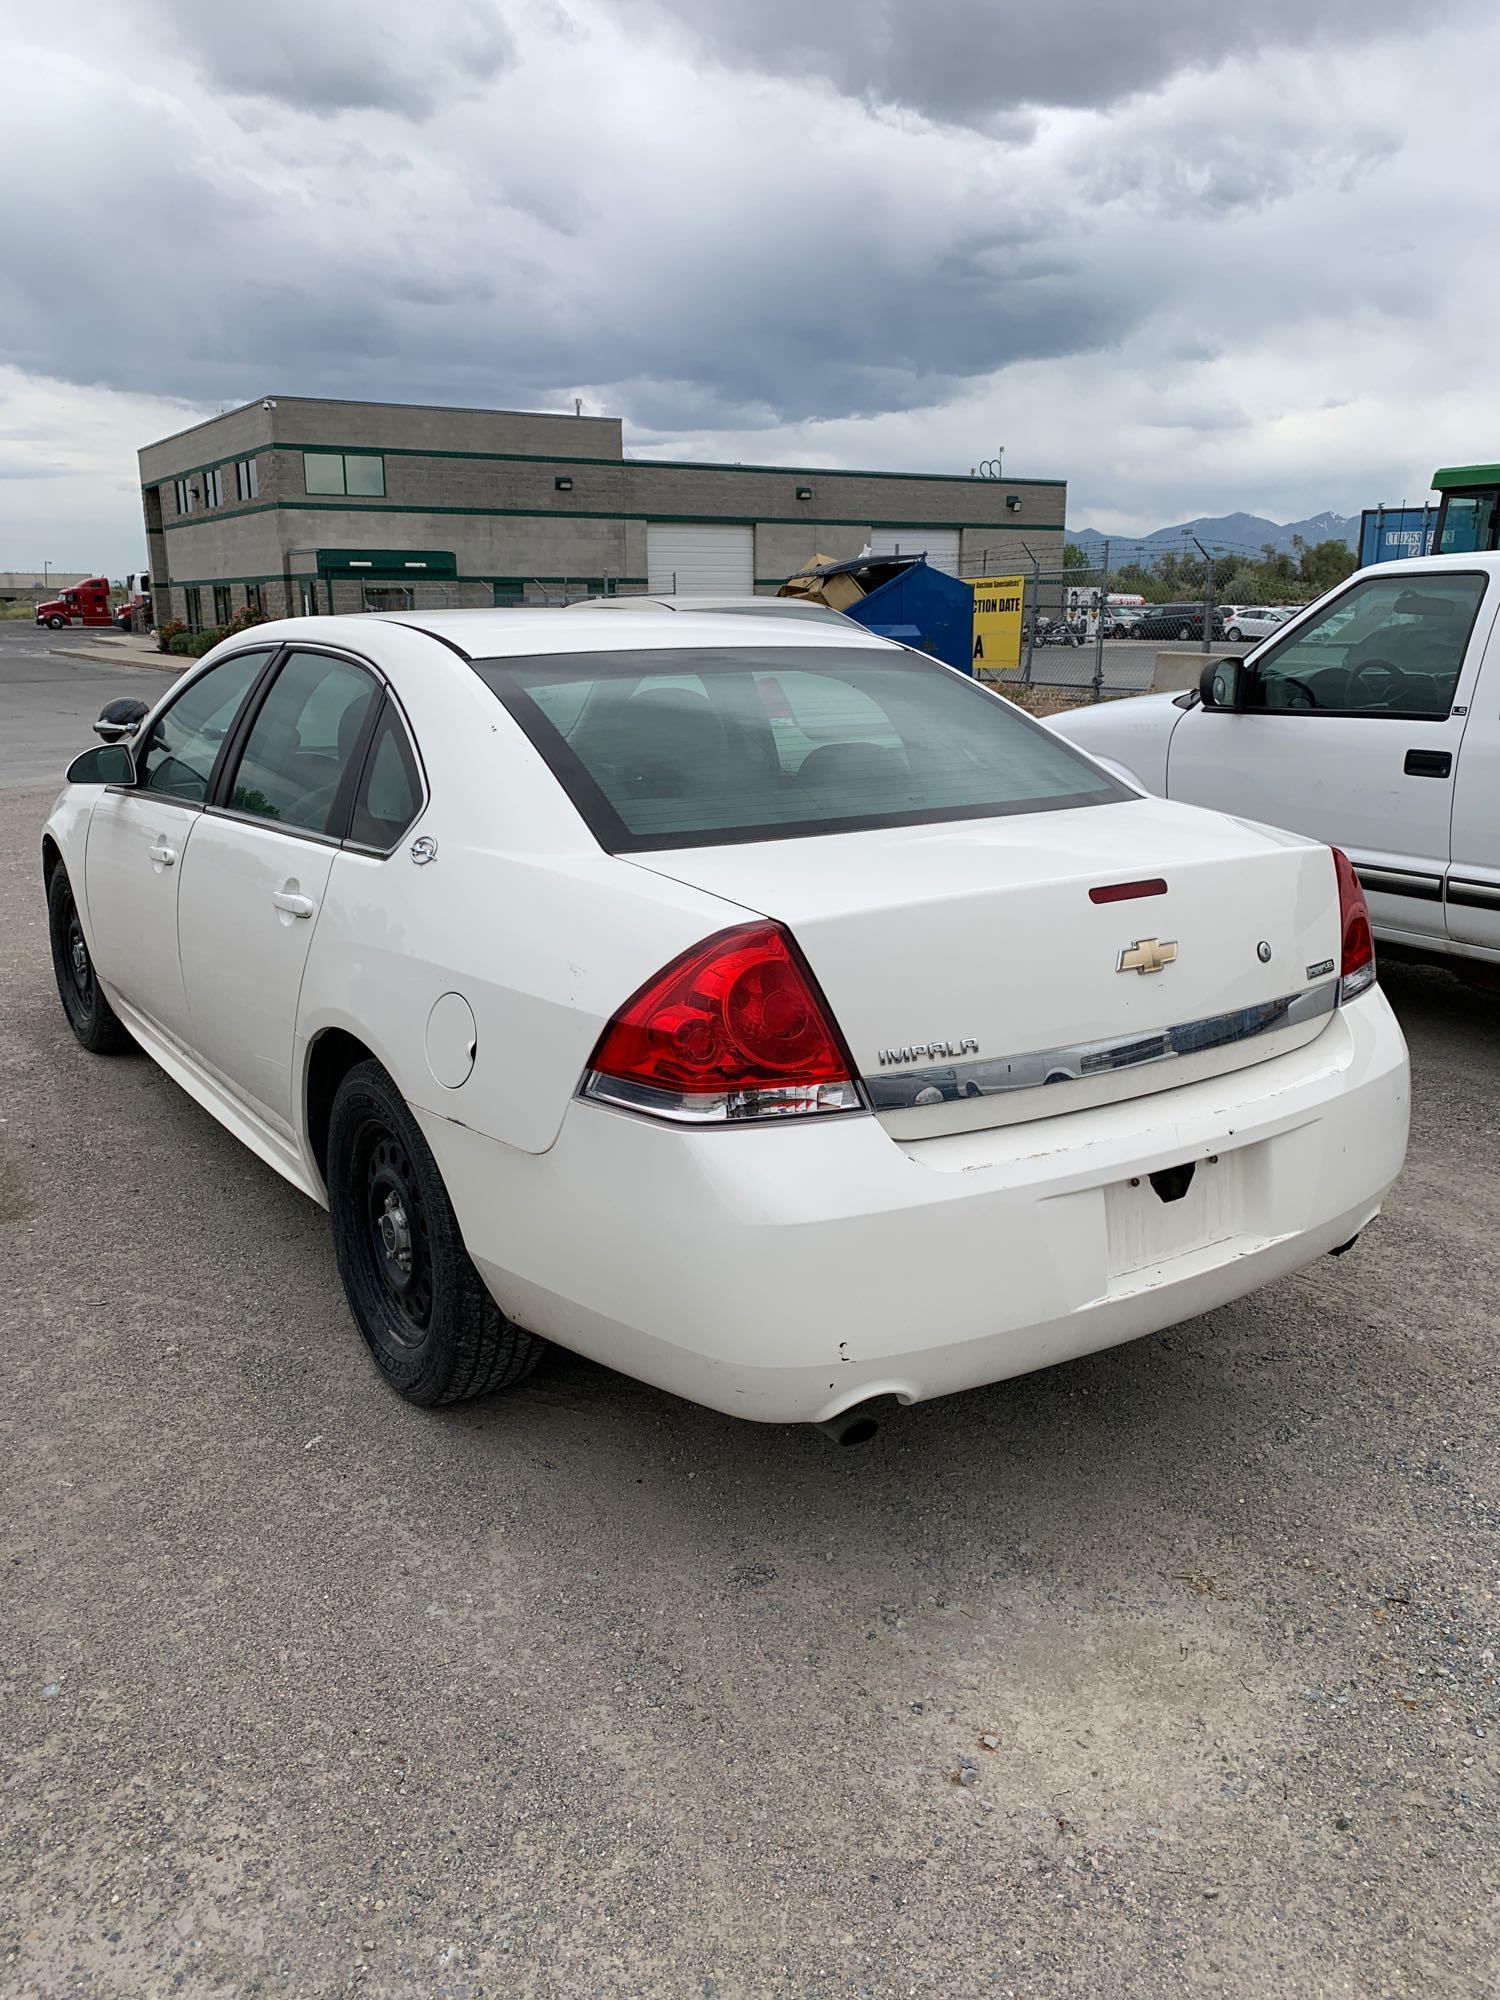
[[784, 1274]]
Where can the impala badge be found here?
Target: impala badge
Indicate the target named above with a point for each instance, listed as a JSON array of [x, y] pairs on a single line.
[[1147, 955]]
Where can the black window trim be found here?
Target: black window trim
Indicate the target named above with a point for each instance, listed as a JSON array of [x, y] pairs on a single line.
[[589, 801], [272, 652], [233, 748], [403, 725], [1275, 641]]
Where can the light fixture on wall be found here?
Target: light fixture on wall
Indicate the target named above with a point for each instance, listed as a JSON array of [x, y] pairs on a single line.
[[563, 483], [1013, 501], [804, 493]]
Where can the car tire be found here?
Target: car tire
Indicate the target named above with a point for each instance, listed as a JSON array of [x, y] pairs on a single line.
[[422, 1309], [1234, 635], [95, 1024], [1186, 632], [55, 624]]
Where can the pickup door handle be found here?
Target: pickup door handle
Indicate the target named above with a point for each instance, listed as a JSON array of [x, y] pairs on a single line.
[[295, 906], [1428, 763], [162, 853]]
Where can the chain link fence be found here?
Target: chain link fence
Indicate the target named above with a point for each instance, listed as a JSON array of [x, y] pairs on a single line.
[[1072, 636]]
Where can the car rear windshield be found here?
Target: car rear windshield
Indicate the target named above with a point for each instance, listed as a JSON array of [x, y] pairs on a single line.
[[697, 748]]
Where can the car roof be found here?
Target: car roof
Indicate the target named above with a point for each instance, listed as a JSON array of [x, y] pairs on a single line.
[[518, 631], [749, 603]]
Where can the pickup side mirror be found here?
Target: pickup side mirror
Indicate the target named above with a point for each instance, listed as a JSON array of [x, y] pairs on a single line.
[[1221, 683], [120, 717], [110, 764]]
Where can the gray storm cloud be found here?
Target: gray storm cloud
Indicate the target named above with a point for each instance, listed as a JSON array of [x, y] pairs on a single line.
[[772, 229]]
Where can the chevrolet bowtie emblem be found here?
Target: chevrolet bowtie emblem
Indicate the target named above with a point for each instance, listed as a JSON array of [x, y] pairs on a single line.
[[1147, 955]]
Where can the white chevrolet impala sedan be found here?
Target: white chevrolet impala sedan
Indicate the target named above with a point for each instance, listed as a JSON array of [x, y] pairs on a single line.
[[751, 1004]]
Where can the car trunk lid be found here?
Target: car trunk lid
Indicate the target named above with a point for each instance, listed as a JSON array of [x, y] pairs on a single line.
[[989, 971]]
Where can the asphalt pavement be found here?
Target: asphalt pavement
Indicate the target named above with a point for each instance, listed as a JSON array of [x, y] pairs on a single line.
[[1169, 1671], [49, 695]]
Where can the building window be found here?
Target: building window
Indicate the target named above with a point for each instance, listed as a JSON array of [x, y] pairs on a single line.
[[247, 478], [344, 472], [223, 609], [187, 500], [192, 602], [213, 486], [252, 596]]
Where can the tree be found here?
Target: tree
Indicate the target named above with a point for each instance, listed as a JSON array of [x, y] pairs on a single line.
[[1074, 557], [1326, 564]]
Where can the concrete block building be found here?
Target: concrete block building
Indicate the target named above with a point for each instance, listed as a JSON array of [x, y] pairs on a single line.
[[301, 505]]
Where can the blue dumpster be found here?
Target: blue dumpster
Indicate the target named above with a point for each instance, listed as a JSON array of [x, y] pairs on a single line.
[[904, 598]]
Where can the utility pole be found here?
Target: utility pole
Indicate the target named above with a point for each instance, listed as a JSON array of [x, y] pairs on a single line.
[[1208, 593], [46, 579]]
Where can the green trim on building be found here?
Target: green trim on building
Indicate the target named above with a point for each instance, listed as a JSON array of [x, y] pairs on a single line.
[[620, 464], [313, 576], [811, 522]]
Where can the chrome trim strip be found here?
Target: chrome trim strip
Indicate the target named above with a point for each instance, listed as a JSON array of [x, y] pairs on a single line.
[[992, 1076], [1474, 895], [1401, 882]]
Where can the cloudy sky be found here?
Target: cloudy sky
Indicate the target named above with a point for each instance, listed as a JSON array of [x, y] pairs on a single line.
[[1192, 259]]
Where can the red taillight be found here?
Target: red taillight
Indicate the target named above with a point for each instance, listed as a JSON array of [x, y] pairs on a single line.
[[734, 1028], [1357, 964]]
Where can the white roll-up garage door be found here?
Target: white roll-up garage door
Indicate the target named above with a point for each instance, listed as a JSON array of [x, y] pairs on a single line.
[[685, 556], [939, 545]]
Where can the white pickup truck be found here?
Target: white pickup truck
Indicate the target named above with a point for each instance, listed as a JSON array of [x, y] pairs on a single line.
[[1372, 721]]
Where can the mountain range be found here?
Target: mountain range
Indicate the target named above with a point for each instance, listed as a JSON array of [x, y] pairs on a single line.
[[1223, 534]]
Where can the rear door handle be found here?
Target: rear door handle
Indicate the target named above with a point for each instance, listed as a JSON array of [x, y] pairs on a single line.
[[162, 853], [294, 905], [1428, 763]]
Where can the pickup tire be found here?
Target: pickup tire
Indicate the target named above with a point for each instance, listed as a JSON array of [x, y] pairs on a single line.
[[422, 1309]]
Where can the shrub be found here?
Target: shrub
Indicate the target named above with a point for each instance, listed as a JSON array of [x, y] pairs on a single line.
[[165, 634]]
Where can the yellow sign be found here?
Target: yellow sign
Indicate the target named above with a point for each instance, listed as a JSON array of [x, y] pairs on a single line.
[[997, 621]]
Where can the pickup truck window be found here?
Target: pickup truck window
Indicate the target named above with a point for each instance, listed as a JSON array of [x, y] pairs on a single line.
[[1388, 646]]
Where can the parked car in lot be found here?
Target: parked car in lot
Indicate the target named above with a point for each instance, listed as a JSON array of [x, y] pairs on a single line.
[[753, 1005], [1177, 621], [1371, 719], [1124, 621], [1252, 621]]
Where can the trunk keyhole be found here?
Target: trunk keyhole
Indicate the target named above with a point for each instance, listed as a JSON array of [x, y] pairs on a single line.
[[1172, 1183]]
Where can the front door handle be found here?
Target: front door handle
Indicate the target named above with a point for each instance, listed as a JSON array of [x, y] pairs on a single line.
[[293, 904], [162, 853], [1428, 763]]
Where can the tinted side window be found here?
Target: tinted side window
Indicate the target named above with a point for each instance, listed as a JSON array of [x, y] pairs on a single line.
[[1388, 646], [178, 756], [302, 743], [390, 792]]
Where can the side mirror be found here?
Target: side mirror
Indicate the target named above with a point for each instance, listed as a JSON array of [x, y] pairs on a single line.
[[110, 764], [1220, 683], [121, 717]]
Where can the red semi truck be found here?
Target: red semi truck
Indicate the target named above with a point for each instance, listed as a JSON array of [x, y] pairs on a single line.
[[85, 603]]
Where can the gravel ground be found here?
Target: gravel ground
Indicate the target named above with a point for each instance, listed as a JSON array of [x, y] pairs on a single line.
[[1172, 1670]]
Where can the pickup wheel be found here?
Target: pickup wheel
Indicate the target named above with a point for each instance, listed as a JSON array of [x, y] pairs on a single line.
[[94, 1022], [422, 1309], [1185, 632]]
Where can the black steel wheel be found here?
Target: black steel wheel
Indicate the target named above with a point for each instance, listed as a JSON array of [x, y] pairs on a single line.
[[421, 1307], [94, 1022]]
